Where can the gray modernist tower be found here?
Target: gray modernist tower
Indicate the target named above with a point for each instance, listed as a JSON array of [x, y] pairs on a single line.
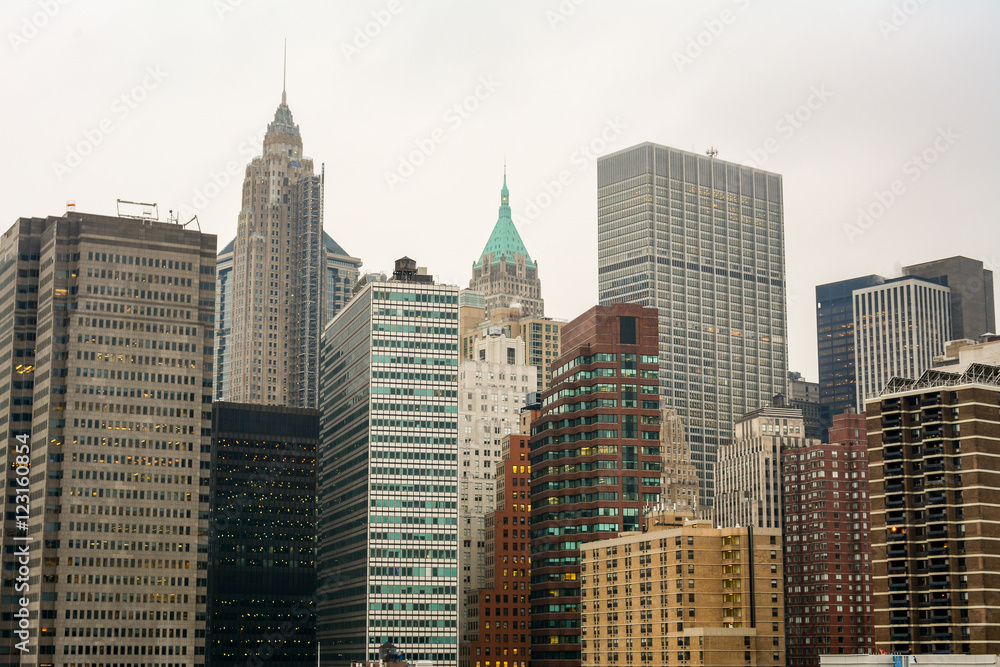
[[387, 563], [278, 278], [702, 240]]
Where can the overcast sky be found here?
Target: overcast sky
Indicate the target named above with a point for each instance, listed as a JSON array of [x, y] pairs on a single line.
[[889, 107]]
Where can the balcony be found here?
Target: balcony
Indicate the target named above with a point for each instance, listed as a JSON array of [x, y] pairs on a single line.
[[895, 502], [937, 533], [939, 584], [934, 450], [935, 433], [897, 551], [900, 620], [901, 602], [896, 586], [894, 421], [895, 535], [895, 470], [895, 519], [897, 568], [938, 549], [936, 499], [939, 566], [937, 515], [931, 414], [941, 637], [902, 636], [934, 466], [941, 601], [940, 616]]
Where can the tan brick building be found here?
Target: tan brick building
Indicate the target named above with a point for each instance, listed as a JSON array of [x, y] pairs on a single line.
[[683, 593]]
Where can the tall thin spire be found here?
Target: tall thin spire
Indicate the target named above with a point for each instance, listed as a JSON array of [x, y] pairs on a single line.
[[284, 71]]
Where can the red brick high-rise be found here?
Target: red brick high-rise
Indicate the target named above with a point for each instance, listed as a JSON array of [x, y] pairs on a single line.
[[828, 586], [595, 456], [498, 615]]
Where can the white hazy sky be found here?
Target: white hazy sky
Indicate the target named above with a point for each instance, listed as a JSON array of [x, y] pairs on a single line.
[[166, 101]]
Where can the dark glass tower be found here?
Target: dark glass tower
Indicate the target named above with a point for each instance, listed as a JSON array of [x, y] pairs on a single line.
[[835, 344], [261, 575]]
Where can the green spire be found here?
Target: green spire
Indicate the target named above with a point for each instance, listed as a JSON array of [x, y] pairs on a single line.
[[504, 241]]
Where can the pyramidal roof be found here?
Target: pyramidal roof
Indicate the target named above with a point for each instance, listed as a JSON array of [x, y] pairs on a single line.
[[504, 241]]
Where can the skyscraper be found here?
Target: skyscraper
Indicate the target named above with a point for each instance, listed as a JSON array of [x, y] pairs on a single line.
[[972, 304], [595, 462], [680, 477], [828, 545], [899, 327], [835, 344], [261, 569], [703, 241], [107, 345], [284, 278], [388, 472], [935, 504], [749, 471], [505, 273], [492, 390]]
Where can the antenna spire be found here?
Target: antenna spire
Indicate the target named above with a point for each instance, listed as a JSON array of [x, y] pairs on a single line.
[[284, 71]]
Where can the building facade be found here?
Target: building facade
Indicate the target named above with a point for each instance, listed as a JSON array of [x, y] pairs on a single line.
[[683, 593], [838, 391], [827, 537], [680, 477], [107, 335], [935, 504], [703, 241], [497, 633], [749, 471], [284, 277], [492, 391], [804, 396], [505, 274], [973, 309], [541, 335], [899, 327], [388, 473], [262, 532], [596, 462]]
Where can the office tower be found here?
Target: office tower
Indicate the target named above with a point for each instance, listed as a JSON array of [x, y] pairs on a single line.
[[749, 470], [286, 276], [702, 240], [680, 477], [835, 344], [223, 319], [108, 350], [828, 545], [497, 629], [262, 527], [505, 274], [540, 334], [388, 472], [595, 459], [683, 593], [935, 504], [804, 396], [972, 305], [491, 390], [899, 327]]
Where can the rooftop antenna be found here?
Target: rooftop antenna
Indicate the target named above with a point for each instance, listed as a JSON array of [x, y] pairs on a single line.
[[284, 70], [712, 151]]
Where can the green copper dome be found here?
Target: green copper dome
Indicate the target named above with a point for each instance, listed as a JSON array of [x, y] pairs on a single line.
[[504, 241]]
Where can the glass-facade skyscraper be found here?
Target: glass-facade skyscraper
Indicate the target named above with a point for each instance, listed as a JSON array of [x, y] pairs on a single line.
[[703, 241], [388, 473]]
